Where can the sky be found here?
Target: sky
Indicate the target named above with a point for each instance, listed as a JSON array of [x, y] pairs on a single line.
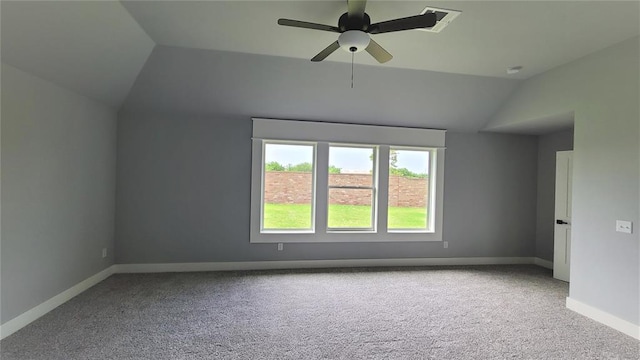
[[356, 159]]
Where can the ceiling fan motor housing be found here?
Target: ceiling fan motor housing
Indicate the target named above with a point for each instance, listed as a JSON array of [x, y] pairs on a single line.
[[354, 40], [346, 23]]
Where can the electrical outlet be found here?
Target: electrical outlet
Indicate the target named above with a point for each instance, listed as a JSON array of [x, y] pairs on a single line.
[[104, 252], [445, 244], [280, 246], [624, 226]]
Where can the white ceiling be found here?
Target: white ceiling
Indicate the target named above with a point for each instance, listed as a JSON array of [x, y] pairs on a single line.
[[93, 48], [540, 126], [99, 48], [485, 39]]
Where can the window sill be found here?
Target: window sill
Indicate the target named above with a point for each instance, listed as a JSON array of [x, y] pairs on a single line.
[[280, 232], [345, 237]]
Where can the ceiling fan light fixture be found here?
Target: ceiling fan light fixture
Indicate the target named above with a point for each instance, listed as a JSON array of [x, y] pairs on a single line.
[[354, 41]]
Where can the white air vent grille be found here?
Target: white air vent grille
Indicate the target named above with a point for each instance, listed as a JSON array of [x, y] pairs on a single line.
[[444, 16]]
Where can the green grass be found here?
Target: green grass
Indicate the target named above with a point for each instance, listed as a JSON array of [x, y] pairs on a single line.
[[287, 216], [349, 216], [296, 216], [407, 218]]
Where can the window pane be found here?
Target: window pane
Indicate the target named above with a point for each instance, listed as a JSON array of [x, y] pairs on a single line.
[[350, 166], [350, 208], [408, 189], [351, 193], [288, 187]]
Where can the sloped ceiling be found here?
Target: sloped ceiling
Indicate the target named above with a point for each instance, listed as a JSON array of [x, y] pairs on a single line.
[[94, 48], [218, 56], [216, 84], [485, 39]]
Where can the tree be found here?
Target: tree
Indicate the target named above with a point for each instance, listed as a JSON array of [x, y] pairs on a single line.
[[302, 167], [393, 158], [273, 166], [404, 172]]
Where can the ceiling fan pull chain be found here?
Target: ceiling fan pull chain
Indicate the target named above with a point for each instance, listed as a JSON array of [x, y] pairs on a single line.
[[352, 54]]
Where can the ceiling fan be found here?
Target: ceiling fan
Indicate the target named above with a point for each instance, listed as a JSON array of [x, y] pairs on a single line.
[[355, 28]]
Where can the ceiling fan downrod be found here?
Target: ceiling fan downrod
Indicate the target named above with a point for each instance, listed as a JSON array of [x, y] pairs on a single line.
[[352, 55]]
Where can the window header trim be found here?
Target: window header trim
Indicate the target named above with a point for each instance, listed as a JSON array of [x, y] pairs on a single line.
[[288, 130]]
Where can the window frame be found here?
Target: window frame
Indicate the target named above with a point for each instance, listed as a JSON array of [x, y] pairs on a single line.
[[324, 135], [311, 230], [430, 206], [373, 188]]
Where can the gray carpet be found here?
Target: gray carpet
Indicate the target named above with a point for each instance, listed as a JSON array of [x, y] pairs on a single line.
[[485, 312]]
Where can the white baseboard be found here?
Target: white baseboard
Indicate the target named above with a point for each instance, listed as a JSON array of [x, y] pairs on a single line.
[[544, 263], [311, 264], [33, 314], [604, 318]]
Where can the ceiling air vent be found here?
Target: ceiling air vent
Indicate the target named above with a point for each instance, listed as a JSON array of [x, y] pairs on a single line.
[[444, 17]]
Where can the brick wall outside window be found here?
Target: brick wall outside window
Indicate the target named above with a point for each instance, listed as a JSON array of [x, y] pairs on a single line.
[[287, 187]]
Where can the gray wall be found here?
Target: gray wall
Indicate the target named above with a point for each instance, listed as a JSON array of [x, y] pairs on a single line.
[[184, 183], [218, 83], [58, 186], [548, 145], [184, 154], [602, 89]]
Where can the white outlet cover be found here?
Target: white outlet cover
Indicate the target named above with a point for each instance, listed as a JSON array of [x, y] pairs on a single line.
[[624, 226]]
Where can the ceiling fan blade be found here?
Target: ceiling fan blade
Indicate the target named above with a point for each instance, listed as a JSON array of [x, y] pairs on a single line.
[[412, 22], [326, 52], [307, 25], [356, 8], [378, 52]]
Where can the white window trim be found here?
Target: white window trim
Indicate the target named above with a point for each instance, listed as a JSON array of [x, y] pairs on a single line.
[[324, 134], [374, 190], [313, 187], [433, 156]]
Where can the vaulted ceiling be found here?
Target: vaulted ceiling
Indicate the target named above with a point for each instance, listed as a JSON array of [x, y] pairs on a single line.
[[484, 40], [214, 83], [104, 50], [94, 48]]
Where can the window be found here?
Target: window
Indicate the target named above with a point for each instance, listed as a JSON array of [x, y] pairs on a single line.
[[352, 189], [408, 205], [320, 182], [287, 187]]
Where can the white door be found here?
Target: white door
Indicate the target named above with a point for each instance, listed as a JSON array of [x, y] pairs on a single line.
[[562, 232]]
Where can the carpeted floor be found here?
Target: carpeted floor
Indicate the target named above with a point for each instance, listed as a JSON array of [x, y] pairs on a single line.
[[484, 312]]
